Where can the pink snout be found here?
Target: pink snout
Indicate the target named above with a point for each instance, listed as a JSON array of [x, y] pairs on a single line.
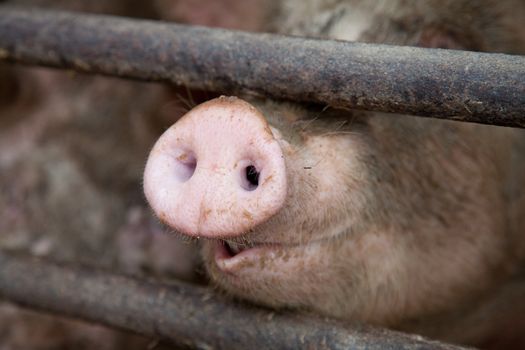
[[217, 172]]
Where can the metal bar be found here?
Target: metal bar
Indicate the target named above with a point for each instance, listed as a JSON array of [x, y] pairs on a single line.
[[459, 85], [189, 316]]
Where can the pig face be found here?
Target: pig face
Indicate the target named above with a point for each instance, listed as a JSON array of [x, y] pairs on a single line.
[[307, 197], [283, 260], [346, 214]]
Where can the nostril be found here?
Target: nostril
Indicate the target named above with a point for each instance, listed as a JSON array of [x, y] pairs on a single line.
[[252, 177], [185, 165]]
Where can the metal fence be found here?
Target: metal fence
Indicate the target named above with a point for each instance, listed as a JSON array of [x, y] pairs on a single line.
[[189, 316], [467, 86]]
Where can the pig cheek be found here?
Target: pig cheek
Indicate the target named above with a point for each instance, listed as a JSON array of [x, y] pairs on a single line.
[[328, 189]]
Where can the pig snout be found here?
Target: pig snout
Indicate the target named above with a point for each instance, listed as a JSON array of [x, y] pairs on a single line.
[[218, 172]]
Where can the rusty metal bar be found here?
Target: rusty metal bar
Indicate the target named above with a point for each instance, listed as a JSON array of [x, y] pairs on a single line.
[[189, 316], [459, 85]]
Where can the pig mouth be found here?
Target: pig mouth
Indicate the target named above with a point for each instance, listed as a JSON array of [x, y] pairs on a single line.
[[235, 260], [232, 248], [231, 256]]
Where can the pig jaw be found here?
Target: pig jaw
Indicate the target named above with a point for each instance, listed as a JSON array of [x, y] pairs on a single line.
[[217, 172]]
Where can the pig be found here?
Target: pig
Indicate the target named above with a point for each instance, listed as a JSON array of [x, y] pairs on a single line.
[[402, 222]]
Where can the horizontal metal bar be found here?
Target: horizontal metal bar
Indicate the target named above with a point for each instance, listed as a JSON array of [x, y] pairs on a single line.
[[460, 85], [187, 315]]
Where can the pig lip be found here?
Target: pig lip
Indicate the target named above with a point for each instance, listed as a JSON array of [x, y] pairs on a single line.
[[234, 248], [226, 260]]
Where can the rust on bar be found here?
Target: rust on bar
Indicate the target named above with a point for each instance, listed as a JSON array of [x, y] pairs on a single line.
[[459, 85]]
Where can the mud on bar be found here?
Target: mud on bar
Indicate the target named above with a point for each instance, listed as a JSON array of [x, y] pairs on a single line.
[[189, 316], [458, 85]]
